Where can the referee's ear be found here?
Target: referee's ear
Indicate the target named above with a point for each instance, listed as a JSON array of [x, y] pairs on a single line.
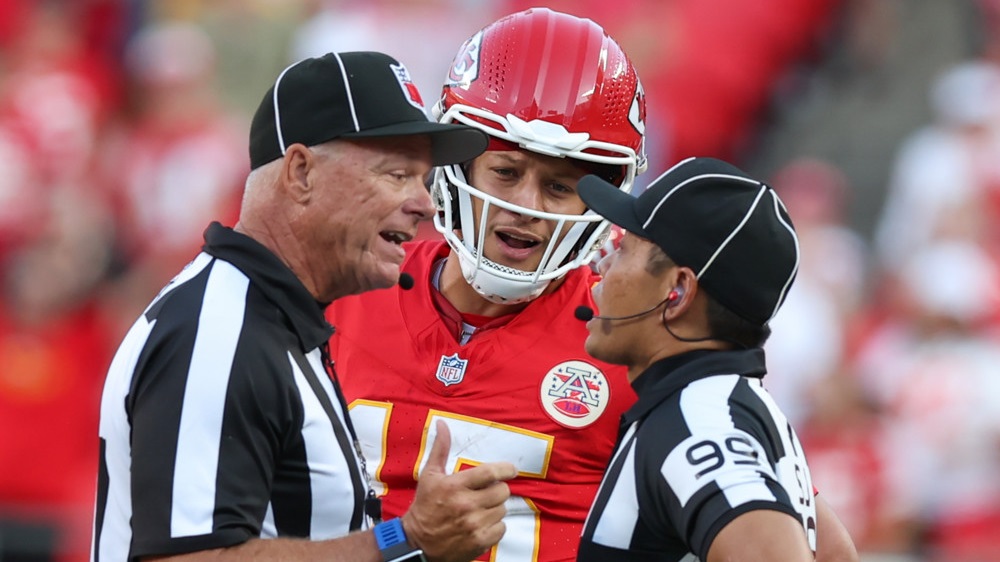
[[295, 167], [684, 292]]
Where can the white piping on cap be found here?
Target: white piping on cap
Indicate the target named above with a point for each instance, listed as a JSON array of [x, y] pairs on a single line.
[[656, 209], [350, 95], [739, 227], [277, 112], [795, 238]]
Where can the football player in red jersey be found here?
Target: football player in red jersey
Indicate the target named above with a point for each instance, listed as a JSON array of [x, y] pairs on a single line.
[[486, 339]]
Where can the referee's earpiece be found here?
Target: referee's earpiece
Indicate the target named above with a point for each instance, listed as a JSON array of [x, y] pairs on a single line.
[[675, 296]]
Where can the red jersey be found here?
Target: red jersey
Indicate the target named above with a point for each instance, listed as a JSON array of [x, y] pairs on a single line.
[[524, 392]]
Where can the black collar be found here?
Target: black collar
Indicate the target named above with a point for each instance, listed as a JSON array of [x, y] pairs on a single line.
[[667, 376], [273, 278]]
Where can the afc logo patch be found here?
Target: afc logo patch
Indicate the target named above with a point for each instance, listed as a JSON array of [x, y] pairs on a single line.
[[575, 394], [451, 369]]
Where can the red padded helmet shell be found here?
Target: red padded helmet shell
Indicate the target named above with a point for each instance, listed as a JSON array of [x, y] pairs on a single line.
[[542, 64]]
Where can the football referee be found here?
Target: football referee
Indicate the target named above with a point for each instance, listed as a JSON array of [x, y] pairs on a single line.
[[706, 464], [223, 431]]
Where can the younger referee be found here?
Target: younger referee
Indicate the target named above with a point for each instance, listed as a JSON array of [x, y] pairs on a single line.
[[706, 464]]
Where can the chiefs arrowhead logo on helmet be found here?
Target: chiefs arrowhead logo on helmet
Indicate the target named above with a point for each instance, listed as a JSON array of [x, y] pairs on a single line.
[[637, 113], [465, 69]]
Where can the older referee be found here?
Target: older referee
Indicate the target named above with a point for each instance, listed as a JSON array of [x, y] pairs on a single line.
[[707, 465], [222, 422]]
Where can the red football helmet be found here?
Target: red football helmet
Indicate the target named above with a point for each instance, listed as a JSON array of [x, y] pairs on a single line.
[[554, 84]]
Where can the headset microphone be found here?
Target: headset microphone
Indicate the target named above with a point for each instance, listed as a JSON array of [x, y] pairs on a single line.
[[585, 313], [405, 281]]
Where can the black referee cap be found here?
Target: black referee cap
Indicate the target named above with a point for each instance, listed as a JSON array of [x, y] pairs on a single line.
[[351, 95], [706, 214]]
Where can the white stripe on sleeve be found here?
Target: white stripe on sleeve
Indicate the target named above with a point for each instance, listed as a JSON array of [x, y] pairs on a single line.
[[198, 441]]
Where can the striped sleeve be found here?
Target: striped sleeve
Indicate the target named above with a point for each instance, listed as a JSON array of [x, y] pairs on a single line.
[[202, 454], [721, 468], [218, 424], [114, 508], [707, 453], [176, 407]]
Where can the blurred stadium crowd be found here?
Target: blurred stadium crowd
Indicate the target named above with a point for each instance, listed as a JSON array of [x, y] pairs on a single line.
[[123, 128]]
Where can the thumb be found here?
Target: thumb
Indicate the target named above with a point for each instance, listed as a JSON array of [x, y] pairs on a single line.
[[438, 456]]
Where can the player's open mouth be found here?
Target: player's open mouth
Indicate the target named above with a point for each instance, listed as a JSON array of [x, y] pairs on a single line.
[[516, 242], [395, 237]]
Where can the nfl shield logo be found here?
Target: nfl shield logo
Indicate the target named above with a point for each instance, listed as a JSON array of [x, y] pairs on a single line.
[[451, 369]]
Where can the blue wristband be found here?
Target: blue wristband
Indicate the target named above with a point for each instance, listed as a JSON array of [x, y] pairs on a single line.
[[390, 533], [392, 543]]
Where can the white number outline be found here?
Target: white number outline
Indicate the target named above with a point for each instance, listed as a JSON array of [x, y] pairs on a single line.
[[362, 418], [516, 505]]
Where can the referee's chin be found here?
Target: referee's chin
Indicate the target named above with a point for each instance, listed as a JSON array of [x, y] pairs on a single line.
[[600, 347], [592, 344], [385, 277], [364, 279]]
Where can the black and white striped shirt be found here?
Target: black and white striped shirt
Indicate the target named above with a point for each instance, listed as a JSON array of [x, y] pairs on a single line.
[[704, 444], [218, 421]]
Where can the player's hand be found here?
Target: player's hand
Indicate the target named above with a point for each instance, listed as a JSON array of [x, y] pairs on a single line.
[[456, 517]]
